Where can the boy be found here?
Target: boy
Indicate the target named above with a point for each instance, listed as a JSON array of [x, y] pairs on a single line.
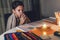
[[18, 17]]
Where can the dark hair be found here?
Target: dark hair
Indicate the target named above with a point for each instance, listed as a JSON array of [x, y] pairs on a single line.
[[16, 3]]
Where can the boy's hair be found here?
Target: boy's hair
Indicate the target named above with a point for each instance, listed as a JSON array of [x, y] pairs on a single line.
[[16, 3]]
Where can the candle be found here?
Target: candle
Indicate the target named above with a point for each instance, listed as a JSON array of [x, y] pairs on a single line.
[[44, 33], [44, 26], [57, 15], [58, 23], [45, 36]]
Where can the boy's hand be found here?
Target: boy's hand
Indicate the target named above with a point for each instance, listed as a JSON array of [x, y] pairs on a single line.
[[22, 19]]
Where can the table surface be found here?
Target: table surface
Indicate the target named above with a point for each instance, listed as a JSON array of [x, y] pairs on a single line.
[[27, 27]]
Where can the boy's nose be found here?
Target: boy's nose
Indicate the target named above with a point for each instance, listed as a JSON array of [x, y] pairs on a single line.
[[21, 11]]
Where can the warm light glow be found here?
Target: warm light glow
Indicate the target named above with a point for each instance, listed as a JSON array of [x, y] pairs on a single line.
[[58, 23], [44, 26], [57, 15], [44, 33]]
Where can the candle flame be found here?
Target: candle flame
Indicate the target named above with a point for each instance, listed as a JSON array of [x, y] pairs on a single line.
[[44, 26], [44, 33]]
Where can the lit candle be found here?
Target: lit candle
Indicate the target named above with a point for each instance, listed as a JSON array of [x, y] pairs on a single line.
[[58, 23], [44, 33], [45, 36], [57, 15], [44, 26]]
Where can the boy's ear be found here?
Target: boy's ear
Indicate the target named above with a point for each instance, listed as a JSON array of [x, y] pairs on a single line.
[[13, 10]]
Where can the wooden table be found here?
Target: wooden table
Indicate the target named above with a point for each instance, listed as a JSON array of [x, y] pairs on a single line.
[[27, 27]]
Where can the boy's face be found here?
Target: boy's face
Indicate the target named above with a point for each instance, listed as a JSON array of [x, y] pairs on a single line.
[[18, 11]]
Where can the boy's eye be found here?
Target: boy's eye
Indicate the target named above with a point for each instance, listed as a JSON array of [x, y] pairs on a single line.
[[18, 10]]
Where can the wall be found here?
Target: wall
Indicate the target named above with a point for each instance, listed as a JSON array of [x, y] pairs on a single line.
[[48, 7]]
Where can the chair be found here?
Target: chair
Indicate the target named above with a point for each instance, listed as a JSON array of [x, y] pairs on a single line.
[[6, 18]]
